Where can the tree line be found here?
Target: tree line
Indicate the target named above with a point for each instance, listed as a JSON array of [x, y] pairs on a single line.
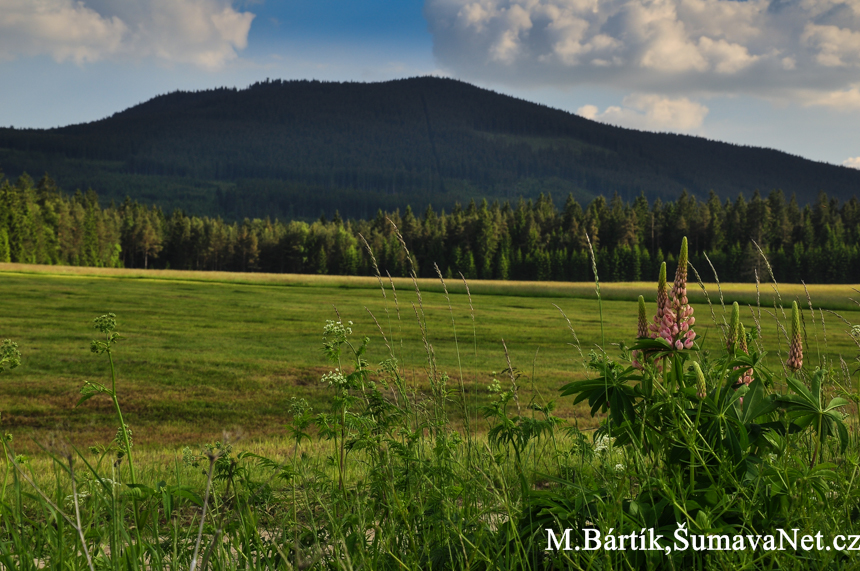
[[526, 240]]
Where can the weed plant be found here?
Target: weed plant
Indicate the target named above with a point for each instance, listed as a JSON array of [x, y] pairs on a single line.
[[710, 439]]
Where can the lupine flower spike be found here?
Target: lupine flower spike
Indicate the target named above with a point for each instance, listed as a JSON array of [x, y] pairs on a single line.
[[662, 303], [795, 351], [742, 344], [737, 340], [676, 318], [643, 320], [701, 385]]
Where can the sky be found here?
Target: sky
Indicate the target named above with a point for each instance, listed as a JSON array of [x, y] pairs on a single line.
[[783, 74]]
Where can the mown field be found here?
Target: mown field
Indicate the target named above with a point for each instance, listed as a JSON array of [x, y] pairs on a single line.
[[207, 352]]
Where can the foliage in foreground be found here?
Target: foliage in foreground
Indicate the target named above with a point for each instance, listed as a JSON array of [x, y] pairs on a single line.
[[711, 443]]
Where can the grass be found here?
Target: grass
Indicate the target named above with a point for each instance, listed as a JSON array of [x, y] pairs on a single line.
[[393, 468], [828, 296], [206, 351]]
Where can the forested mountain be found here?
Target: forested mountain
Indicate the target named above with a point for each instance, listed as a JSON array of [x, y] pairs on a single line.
[[301, 148], [526, 240]]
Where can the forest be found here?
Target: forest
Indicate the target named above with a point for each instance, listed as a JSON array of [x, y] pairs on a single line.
[[297, 149], [817, 242]]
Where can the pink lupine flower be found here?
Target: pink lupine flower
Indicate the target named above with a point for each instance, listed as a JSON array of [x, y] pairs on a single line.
[[674, 318], [795, 350], [662, 319]]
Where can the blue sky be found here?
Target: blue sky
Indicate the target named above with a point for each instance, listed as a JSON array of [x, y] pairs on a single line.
[[783, 74]]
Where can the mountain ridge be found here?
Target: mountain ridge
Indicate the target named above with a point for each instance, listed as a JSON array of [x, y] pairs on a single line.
[[298, 148]]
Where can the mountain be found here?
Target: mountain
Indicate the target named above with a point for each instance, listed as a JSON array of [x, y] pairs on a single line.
[[294, 149]]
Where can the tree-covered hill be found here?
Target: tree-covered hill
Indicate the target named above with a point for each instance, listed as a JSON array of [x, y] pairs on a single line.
[[296, 149]]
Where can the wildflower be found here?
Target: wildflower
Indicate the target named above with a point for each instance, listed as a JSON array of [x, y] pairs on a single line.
[[602, 443], [643, 321], [335, 379], [662, 303], [105, 323], [298, 407], [674, 320], [701, 385], [795, 351], [120, 440], [737, 341], [10, 356], [337, 329], [684, 320], [747, 378]]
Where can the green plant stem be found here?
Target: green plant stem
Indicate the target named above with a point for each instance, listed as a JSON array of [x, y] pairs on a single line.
[[817, 443], [695, 435], [119, 416], [6, 474], [295, 508], [127, 443], [342, 444]]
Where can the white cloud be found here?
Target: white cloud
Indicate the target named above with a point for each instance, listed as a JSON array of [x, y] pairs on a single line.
[[650, 112], [853, 163], [206, 33], [835, 46], [726, 57], [767, 48], [842, 100]]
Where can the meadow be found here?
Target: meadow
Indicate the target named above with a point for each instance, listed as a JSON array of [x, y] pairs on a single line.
[[310, 422], [204, 352]]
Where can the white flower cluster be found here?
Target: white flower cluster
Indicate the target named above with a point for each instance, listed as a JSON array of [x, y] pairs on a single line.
[[334, 379], [602, 444], [337, 328]]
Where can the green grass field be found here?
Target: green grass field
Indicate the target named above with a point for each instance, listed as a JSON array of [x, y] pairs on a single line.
[[205, 352]]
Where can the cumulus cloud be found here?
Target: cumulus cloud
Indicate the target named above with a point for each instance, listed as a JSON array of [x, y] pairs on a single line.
[[206, 33], [853, 163], [768, 48], [842, 99], [650, 112]]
